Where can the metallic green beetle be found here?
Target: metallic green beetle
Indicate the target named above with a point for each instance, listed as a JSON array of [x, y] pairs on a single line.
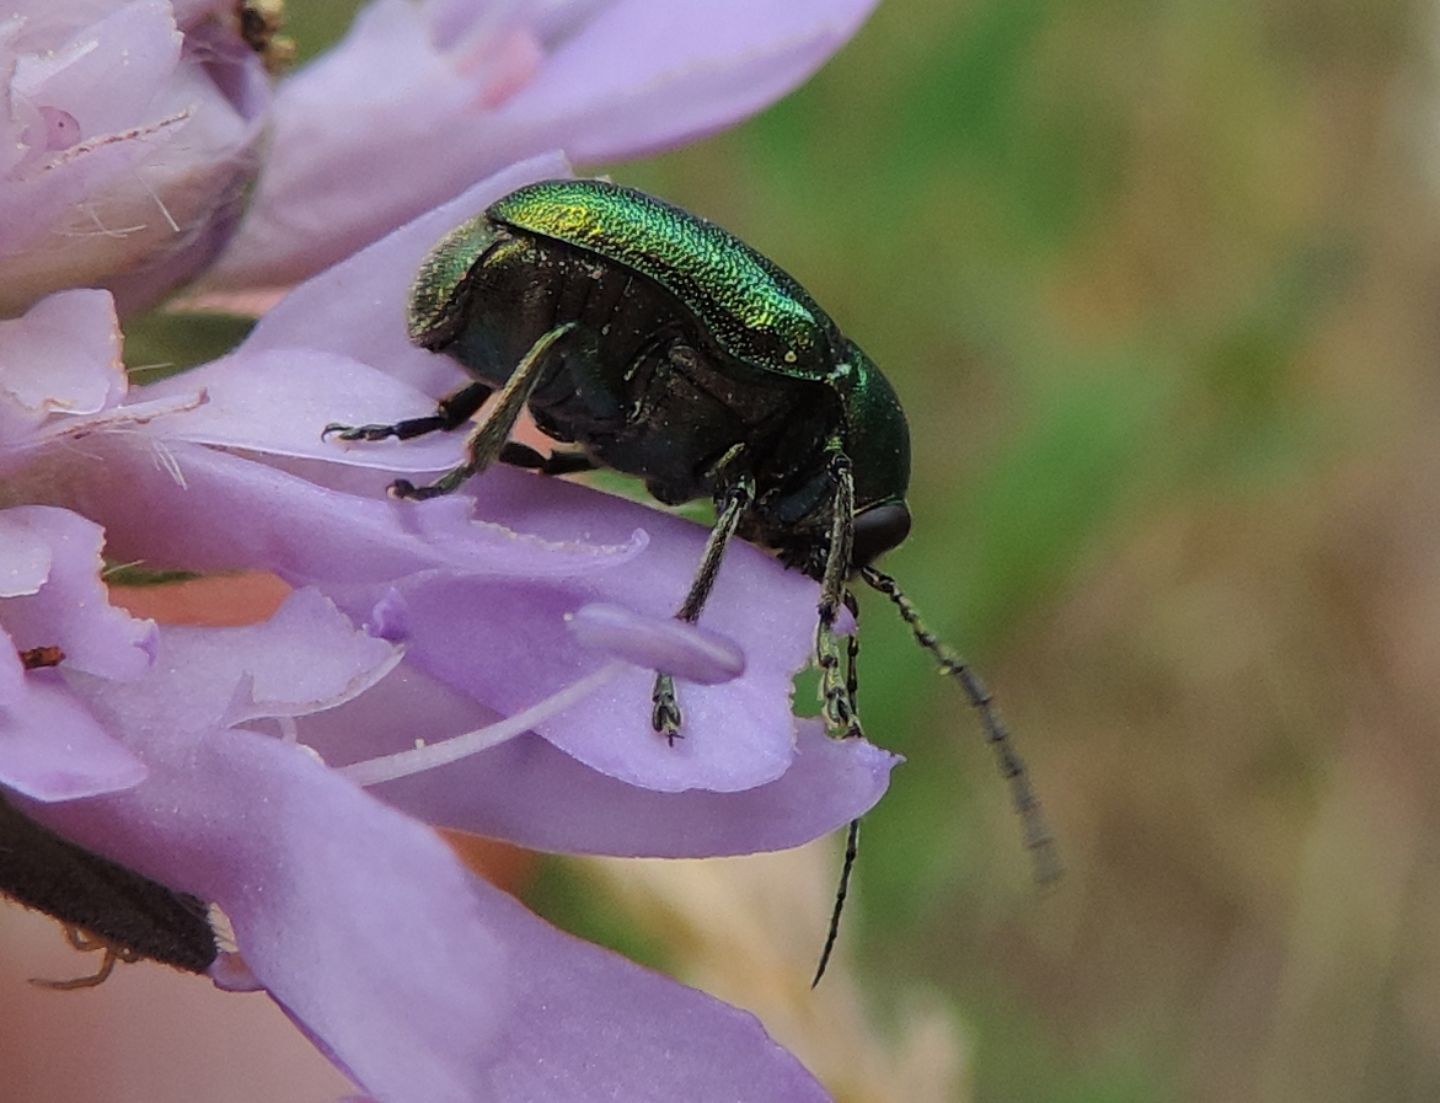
[[669, 349], [665, 347]]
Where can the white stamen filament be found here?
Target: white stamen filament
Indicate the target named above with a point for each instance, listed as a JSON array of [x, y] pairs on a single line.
[[388, 767]]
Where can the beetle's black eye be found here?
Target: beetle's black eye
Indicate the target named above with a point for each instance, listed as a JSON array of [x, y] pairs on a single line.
[[877, 530]]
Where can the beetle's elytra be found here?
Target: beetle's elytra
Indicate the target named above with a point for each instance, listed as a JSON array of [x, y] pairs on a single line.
[[662, 346]]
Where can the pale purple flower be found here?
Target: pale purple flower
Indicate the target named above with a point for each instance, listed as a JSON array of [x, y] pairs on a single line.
[[51, 597], [128, 133], [479, 587], [481, 661], [419, 980], [423, 99]]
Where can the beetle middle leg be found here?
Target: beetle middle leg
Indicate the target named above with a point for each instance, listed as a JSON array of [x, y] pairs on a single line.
[[487, 441], [665, 716]]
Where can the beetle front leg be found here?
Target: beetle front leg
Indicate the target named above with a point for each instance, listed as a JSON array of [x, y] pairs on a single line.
[[837, 693], [665, 716], [488, 440], [453, 411]]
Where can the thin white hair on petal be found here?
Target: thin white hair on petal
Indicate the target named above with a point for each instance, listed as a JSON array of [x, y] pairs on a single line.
[[149, 188], [101, 230], [166, 460], [110, 570], [430, 756]]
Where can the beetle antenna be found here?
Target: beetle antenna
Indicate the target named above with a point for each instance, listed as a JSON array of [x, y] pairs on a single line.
[[852, 848], [852, 833], [1038, 839]]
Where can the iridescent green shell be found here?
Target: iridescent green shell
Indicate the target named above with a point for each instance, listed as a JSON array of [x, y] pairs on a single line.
[[749, 306], [437, 306]]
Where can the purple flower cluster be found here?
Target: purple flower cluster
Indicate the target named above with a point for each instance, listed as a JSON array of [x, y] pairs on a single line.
[[128, 134], [481, 662]]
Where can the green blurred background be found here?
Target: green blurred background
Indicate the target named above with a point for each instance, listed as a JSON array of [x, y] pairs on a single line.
[[1157, 284]]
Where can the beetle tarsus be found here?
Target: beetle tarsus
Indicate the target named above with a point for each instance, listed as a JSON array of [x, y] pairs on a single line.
[[408, 491], [400, 430], [451, 412], [446, 484], [665, 716]]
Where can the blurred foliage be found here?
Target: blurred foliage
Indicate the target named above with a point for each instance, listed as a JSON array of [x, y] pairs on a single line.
[[159, 345], [1156, 283]]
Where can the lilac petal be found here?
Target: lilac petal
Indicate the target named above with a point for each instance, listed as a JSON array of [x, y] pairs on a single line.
[[518, 588], [226, 512], [204, 192], [692, 69], [540, 798], [52, 749], [736, 736], [587, 1025], [238, 674], [342, 663], [147, 187], [531, 794], [663, 644], [279, 401], [357, 308], [25, 557], [485, 86], [356, 918], [13, 683], [70, 609], [339, 179], [62, 356], [79, 77], [184, 505], [423, 983]]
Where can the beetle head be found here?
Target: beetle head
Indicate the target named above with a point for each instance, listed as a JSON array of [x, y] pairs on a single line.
[[877, 440], [877, 530]]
